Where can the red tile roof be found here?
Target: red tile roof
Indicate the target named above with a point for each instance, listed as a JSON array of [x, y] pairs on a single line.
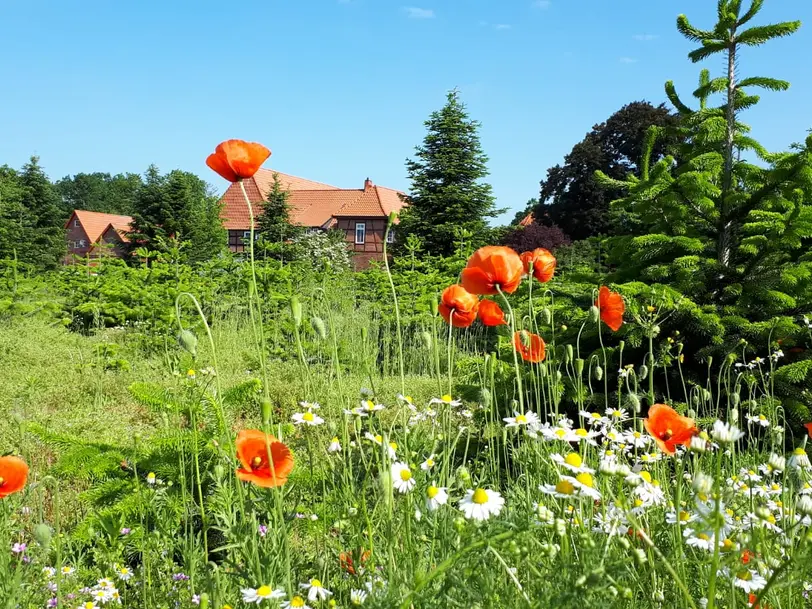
[[527, 220], [96, 223], [313, 204]]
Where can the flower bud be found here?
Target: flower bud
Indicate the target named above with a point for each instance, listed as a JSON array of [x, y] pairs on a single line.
[[643, 372], [42, 533], [579, 366], [426, 339], [598, 373], [319, 327], [266, 407], [188, 342], [594, 314], [804, 505], [546, 316], [435, 307], [296, 310], [634, 402], [569, 354]]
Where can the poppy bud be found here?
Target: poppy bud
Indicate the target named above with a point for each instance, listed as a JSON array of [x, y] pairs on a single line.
[[393, 216], [579, 366], [425, 337], [485, 397], [558, 376], [43, 534], [546, 316], [188, 342], [319, 327], [569, 353], [731, 358], [598, 373], [266, 406], [219, 471], [734, 399], [434, 306], [643, 372], [542, 369], [734, 414], [594, 314], [296, 310], [634, 402]]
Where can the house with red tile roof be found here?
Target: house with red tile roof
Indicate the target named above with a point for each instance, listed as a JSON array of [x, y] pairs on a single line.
[[91, 233], [361, 213]]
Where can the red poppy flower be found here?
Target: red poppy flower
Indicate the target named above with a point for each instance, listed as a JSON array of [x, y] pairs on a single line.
[[530, 346], [252, 451], [13, 475], [491, 313], [668, 428], [809, 429], [237, 160], [491, 269], [541, 263], [347, 564], [612, 307], [458, 306]]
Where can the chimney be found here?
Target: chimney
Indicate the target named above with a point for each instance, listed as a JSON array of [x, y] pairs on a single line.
[[367, 184]]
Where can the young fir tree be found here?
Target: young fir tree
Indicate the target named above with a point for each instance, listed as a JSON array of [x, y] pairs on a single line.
[[447, 190], [42, 220], [729, 224], [274, 222]]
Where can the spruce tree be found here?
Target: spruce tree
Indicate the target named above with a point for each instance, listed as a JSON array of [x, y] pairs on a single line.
[[274, 222], [727, 223], [43, 219], [447, 189]]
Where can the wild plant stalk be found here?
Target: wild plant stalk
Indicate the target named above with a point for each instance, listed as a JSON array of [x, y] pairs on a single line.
[[389, 223], [516, 367]]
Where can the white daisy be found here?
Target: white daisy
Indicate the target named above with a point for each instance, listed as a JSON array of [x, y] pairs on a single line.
[[307, 418], [758, 419], [297, 602], [315, 590], [357, 597], [594, 418], [251, 595], [402, 478], [88, 605], [617, 415], [335, 446], [371, 406], [356, 411], [726, 433], [746, 579], [446, 399], [435, 497], [521, 420], [391, 449], [428, 463], [572, 462], [799, 459], [481, 504]]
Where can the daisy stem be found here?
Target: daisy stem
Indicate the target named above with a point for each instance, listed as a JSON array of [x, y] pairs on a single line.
[[397, 307]]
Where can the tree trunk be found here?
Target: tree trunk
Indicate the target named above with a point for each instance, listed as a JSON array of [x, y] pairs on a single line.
[[726, 224]]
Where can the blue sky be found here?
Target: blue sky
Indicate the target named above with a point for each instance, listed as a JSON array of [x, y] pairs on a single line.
[[339, 89]]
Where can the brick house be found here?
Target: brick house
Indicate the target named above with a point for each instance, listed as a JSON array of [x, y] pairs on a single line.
[[361, 213], [95, 234]]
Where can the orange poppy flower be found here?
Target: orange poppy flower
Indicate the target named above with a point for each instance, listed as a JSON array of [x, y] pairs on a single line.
[[612, 307], [751, 602], [491, 313], [13, 475], [541, 263], [530, 346], [458, 306], [491, 269], [809, 429], [669, 428], [252, 451], [237, 160]]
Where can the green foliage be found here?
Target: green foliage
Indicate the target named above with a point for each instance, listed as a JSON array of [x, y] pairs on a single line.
[[102, 192], [274, 224], [447, 190]]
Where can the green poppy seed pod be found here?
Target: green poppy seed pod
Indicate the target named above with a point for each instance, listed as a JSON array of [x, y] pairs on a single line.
[[296, 310], [706, 395], [570, 353], [426, 339], [594, 314], [204, 600], [691, 414], [643, 372], [598, 373], [43, 535], [319, 327], [563, 328], [634, 402], [266, 407], [542, 369], [485, 397], [752, 404], [558, 376], [435, 307], [710, 361], [546, 316], [621, 345], [734, 414], [579, 366], [219, 471], [188, 341], [735, 399]]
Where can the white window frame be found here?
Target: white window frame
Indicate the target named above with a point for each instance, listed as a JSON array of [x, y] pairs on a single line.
[[76, 223], [246, 235], [390, 237], [82, 243], [363, 227]]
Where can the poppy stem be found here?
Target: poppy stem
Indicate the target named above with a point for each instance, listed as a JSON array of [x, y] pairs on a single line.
[[519, 386]]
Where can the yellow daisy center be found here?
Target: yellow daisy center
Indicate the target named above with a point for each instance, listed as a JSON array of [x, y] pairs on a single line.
[[480, 496], [565, 487], [405, 475], [379, 438], [561, 432], [393, 445], [264, 591], [798, 452], [308, 416], [703, 537], [744, 575], [447, 399], [521, 419], [315, 583], [646, 476], [573, 459], [585, 479], [727, 545], [595, 415], [638, 502], [684, 516], [581, 432], [297, 601], [432, 492]]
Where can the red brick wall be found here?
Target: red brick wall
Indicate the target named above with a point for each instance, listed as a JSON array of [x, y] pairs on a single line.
[[75, 234], [372, 248], [114, 246]]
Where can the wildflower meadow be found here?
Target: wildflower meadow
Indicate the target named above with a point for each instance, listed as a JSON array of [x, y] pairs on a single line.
[[489, 429]]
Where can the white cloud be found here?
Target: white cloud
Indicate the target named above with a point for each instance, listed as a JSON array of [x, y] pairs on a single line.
[[645, 37], [414, 12], [542, 4], [502, 26], [628, 60]]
